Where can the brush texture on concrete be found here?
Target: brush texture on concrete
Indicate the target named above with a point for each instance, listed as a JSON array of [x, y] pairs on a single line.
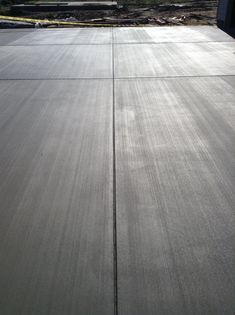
[[136, 124]]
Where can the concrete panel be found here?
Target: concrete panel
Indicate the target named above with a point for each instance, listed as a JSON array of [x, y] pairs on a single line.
[[56, 249], [8, 36], [168, 34], [175, 168], [52, 62], [67, 37], [176, 59], [174, 171]]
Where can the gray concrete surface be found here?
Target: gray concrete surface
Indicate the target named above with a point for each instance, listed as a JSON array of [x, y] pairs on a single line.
[[175, 195], [180, 59], [136, 125], [56, 203], [49, 62], [58, 37], [9, 35], [168, 34]]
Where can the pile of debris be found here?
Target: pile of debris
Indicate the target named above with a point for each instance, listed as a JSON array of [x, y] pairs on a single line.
[[164, 15], [189, 13]]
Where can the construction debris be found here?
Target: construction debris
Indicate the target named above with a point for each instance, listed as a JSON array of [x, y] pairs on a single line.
[[188, 13]]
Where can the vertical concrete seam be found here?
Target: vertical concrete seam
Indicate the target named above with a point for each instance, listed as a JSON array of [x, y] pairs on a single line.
[[115, 262]]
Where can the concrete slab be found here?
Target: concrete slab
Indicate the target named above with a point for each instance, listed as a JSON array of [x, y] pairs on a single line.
[[175, 196], [66, 37], [168, 34], [170, 184], [55, 194], [51, 62], [7, 37], [174, 59]]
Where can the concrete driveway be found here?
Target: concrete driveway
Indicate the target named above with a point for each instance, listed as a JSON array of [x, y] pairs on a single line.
[[117, 171]]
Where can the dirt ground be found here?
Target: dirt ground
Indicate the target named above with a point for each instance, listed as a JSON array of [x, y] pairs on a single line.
[[194, 12], [188, 13]]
